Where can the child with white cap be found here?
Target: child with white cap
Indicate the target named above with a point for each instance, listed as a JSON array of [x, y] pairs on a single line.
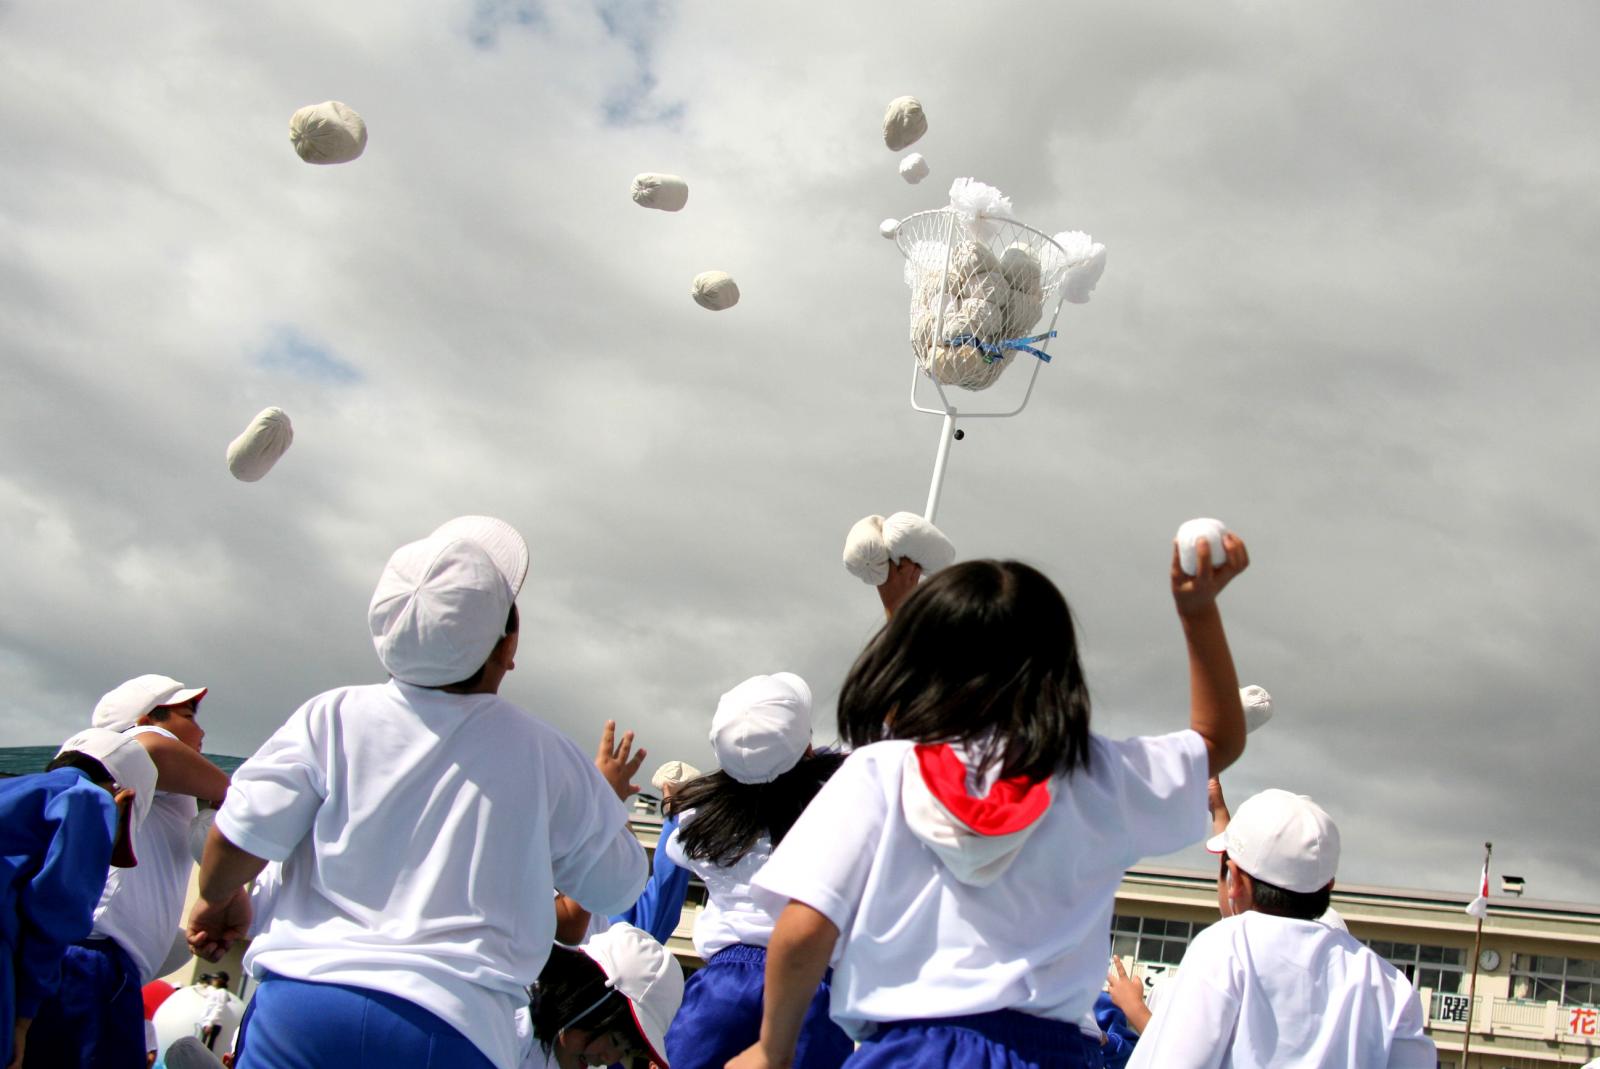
[[607, 1002], [60, 832], [1270, 984], [141, 908], [423, 825], [960, 868], [730, 822]]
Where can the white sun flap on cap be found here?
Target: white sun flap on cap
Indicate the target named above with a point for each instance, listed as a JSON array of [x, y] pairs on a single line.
[[664, 192], [1189, 534], [905, 534], [260, 445], [330, 132], [439, 608], [865, 555], [505, 546], [125, 758], [762, 727]]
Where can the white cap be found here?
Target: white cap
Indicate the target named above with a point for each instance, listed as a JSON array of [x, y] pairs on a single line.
[[123, 757], [499, 539], [673, 772], [645, 973], [440, 607], [762, 727], [1283, 839], [121, 708], [1257, 706]]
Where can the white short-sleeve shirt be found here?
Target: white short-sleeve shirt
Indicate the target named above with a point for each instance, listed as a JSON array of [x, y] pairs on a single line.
[[734, 913], [422, 834], [1258, 990], [142, 907], [918, 943]]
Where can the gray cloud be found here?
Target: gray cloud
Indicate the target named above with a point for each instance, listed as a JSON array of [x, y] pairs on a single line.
[[1349, 310]]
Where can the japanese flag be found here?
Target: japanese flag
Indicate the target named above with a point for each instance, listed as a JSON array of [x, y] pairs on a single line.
[[1479, 907]]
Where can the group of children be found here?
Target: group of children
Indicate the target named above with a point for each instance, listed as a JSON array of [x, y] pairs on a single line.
[[939, 895]]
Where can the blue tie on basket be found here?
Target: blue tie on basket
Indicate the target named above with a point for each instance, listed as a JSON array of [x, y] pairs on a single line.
[[993, 351]]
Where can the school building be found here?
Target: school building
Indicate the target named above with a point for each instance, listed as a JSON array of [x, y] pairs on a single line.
[[1539, 968]]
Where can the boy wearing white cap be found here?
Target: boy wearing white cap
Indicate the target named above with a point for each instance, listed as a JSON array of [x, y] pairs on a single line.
[[60, 831], [423, 825], [731, 822], [1270, 985]]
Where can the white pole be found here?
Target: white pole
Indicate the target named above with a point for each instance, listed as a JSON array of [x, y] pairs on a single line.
[[946, 436]]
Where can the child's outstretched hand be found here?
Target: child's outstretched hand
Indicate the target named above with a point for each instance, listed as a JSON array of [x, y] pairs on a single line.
[[614, 763], [1195, 594]]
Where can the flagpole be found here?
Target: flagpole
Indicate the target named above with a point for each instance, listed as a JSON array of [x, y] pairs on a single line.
[[1472, 984]]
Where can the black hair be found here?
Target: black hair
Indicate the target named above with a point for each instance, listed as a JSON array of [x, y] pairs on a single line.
[[985, 653], [729, 816], [513, 621], [98, 773], [1281, 902], [571, 992]]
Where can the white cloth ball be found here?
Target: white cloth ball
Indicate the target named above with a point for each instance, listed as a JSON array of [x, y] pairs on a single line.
[[1023, 310], [715, 290], [889, 228], [865, 555], [1257, 706], [965, 366], [330, 132], [254, 452], [905, 534], [970, 258], [1188, 537], [1021, 270], [986, 318], [986, 286], [903, 123], [914, 168], [664, 192]]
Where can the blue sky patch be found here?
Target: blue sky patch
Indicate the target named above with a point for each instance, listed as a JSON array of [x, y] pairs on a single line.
[[291, 352]]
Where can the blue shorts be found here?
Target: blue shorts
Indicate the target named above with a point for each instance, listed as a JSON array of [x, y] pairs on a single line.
[[96, 1019], [1005, 1039], [721, 1016], [298, 1024]]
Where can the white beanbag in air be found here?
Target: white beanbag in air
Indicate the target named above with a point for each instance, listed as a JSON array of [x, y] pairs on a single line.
[[914, 168], [1190, 533], [865, 555], [905, 534], [252, 454], [889, 228], [329, 132], [665, 192], [1257, 706], [903, 123], [715, 290]]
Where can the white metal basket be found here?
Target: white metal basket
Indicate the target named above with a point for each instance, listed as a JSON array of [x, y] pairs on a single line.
[[980, 289]]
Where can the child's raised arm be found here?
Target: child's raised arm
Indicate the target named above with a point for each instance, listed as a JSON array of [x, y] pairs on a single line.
[[1214, 708]]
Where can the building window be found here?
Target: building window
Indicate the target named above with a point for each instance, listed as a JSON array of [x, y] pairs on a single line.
[[1437, 968], [1544, 978], [1151, 940]]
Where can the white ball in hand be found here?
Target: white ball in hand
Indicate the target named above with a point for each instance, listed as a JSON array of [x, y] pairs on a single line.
[[1190, 533]]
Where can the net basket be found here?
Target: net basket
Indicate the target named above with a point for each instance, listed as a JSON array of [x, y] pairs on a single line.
[[979, 287]]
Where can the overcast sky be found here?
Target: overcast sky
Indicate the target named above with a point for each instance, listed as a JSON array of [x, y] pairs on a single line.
[[1350, 309]]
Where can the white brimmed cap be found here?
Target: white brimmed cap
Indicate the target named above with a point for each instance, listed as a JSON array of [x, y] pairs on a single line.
[[646, 974], [440, 606], [1283, 839], [499, 539], [762, 727], [673, 772], [121, 708], [127, 761]]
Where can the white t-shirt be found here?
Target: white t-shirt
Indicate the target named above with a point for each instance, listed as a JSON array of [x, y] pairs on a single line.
[[917, 943], [422, 834], [733, 914], [141, 907], [1258, 990]]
